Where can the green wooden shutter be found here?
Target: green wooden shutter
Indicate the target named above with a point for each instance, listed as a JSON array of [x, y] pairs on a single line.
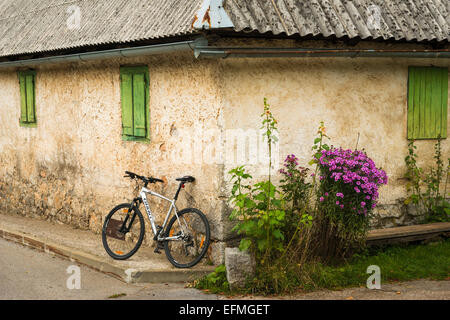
[[139, 105], [127, 103], [23, 99], [134, 93], [427, 102], [27, 97]]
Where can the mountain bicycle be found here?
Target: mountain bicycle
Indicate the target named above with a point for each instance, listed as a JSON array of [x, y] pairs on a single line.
[[185, 238]]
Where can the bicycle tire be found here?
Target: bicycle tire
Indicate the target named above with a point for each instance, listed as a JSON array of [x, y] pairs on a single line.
[[107, 240], [204, 234]]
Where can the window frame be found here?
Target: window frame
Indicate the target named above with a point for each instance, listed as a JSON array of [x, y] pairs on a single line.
[[133, 70]]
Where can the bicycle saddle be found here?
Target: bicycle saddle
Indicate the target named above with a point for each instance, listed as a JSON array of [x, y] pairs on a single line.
[[186, 179]]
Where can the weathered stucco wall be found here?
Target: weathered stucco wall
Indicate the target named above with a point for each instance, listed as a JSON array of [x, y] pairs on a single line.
[[70, 167], [365, 96]]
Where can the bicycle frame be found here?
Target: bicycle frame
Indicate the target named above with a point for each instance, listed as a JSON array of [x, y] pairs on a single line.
[[156, 233]]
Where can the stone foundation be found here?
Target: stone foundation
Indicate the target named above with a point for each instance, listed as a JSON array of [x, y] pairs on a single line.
[[396, 215]]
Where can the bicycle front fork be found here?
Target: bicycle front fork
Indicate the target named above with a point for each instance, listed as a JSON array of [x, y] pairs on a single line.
[[134, 204]]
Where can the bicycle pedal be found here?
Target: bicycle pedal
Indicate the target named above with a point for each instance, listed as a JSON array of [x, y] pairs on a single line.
[[159, 246]]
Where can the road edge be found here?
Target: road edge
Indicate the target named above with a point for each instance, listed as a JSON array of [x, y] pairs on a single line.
[[101, 265]]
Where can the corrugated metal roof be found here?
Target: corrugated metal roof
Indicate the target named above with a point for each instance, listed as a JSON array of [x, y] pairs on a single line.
[[31, 26], [421, 20]]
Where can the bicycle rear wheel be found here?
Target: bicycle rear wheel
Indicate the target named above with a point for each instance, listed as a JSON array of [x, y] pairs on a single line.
[[187, 252], [123, 231]]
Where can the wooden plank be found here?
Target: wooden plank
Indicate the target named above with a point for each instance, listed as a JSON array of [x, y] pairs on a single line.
[[435, 104], [23, 99], [139, 105], [416, 103], [126, 87], [408, 233], [409, 230], [406, 239], [422, 102], [427, 106]]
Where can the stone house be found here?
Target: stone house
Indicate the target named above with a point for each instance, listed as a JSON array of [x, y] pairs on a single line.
[[90, 89]]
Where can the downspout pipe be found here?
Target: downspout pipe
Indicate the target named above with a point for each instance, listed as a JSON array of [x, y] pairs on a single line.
[[113, 53], [216, 52]]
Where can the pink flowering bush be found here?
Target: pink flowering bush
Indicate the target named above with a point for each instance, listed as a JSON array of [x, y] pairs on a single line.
[[347, 193], [350, 180]]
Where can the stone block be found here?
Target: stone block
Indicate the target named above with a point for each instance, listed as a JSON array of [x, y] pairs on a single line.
[[388, 211], [415, 209], [239, 265]]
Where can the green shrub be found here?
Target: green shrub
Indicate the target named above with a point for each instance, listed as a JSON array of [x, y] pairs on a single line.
[[215, 282], [290, 227], [424, 188]]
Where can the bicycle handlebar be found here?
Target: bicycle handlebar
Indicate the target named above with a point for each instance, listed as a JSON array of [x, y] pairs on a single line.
[[133, 175]]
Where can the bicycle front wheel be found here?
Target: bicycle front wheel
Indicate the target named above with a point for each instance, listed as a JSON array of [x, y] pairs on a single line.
[[188, 251], [123, 231]]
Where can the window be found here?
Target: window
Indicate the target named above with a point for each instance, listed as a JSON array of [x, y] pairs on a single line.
[[427, 102], [27, 98], [134, 97]]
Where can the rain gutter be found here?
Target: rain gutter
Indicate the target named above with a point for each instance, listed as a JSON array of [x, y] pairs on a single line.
[[242, 52], [201, 50], [112, 53]]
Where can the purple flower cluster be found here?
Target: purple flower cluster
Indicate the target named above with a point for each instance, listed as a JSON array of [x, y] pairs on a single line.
[[291, 159], [290, 166], [356, 172]]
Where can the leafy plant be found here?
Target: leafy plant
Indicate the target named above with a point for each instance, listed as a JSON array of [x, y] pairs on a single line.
[[269, 125], [293, 182], [413, 174], [435, 202], [215, 282], [259, 208], [424, 188], [296, 191], [319, 144], [258, 211], [270, 218]]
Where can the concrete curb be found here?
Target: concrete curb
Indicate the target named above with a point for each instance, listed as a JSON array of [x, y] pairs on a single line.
[[102, 265]]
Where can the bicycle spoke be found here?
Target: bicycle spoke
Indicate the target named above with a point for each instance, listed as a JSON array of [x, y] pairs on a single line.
[[122, 233], [191, 247]]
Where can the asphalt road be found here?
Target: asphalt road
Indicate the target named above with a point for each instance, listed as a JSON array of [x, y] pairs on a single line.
[[28, 274]]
